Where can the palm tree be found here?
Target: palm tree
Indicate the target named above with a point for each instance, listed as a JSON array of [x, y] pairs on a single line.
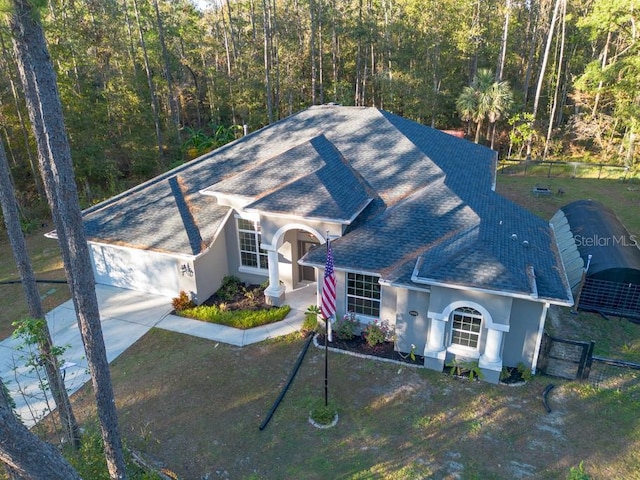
[[501, 101], [466, 105], [484, 98]]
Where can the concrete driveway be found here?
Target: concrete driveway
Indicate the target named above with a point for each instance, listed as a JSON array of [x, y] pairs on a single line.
[[126, 316]]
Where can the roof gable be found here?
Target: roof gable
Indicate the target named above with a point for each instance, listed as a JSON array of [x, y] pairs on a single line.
[[311, 180]]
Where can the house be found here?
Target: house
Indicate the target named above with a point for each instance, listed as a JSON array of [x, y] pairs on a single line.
[[419, 236]]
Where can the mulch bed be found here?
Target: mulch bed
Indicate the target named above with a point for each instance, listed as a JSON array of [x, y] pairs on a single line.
[[242, 301], [359, 345]]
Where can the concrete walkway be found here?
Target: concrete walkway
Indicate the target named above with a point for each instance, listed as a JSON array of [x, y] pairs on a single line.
[[126, 316]]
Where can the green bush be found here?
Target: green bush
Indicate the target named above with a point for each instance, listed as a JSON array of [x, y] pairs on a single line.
[[346, 327], [525, 372], [242, 319], [377, 332], [230, 288], [310, 323], [578, 473]]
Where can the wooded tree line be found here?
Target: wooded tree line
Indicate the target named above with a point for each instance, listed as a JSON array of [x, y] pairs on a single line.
[[146, 84]]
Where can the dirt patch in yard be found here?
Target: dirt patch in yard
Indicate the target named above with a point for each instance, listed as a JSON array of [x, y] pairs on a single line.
[[194, 406]]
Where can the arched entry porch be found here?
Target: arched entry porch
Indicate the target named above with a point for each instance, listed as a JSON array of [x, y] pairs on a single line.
[[288, 244]]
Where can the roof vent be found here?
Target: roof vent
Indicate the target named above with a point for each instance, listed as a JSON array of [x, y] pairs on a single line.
[[514, 237]]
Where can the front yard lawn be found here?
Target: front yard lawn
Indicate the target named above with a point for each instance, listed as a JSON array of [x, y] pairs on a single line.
[[195, 407]]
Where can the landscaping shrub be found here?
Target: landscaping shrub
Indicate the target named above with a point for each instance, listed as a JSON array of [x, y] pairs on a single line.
[[230, 288], [377, 332], [310, 323], [346, 327], [182, 302], [242, 319]]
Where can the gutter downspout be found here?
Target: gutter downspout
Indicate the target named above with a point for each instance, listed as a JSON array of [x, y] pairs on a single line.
[[536, 353]]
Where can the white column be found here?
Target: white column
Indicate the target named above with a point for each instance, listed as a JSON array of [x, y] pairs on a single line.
[[274, 293], [435, 351], [436, 335], [492, 347]]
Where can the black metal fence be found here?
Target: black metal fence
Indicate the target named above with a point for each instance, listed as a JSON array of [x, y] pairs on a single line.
[[553, 168], [612, 298], [574, 360], [565, 358], [615, 375]]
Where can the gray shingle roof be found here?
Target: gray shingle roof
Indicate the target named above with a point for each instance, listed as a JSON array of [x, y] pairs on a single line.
[[429, 196], [311, 180]]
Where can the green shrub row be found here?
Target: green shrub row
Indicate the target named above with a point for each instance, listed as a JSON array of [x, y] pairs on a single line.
[[242, 319]]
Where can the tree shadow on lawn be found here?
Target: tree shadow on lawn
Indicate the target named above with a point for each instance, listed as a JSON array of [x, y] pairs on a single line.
[[195, 407]]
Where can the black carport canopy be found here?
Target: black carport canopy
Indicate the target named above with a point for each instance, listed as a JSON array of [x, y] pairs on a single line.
[[591, 236], [598, 232]]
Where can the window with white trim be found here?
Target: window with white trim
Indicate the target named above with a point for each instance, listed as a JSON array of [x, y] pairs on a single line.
[[249, 238], [363, 294], [466, 325]]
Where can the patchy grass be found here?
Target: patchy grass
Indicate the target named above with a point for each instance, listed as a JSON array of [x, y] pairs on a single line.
[[622, 198], [45, 258], [194, 406], [615, 337]]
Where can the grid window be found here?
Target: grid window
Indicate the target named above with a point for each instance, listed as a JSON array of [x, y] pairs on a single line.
[[466, 327], [363, 294], [249, 238]]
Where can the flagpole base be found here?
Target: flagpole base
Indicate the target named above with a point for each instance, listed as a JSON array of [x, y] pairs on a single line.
[[333, 423]]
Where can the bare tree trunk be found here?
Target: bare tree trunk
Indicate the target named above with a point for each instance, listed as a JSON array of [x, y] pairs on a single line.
[[54, 155], [234, 45], [45, 344], [275, 59], [152, 89], [312, 49], [558, 77], [334, 50], [532, 26], [166, 67], [319, 50], [16, 102], [267, 59], [26, 455], [130, 37], [605, 55], [543, 69], [505, 36], [359, 94]]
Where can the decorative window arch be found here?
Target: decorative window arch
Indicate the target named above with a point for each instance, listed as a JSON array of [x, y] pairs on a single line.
[[466, 327]]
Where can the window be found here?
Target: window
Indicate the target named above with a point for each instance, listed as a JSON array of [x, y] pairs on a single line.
[[249, 237], [363, 294], [466, 326]]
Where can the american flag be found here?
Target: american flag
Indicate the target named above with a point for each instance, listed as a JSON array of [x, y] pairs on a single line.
[[328, 305]]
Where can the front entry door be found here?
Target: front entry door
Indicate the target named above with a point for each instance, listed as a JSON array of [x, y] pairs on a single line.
[[306, 274]]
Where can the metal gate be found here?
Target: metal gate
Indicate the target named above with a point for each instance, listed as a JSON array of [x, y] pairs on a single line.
[[565, 358]]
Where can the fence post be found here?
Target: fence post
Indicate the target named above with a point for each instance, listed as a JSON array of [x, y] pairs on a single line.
[[545, 345], [586, 361]]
